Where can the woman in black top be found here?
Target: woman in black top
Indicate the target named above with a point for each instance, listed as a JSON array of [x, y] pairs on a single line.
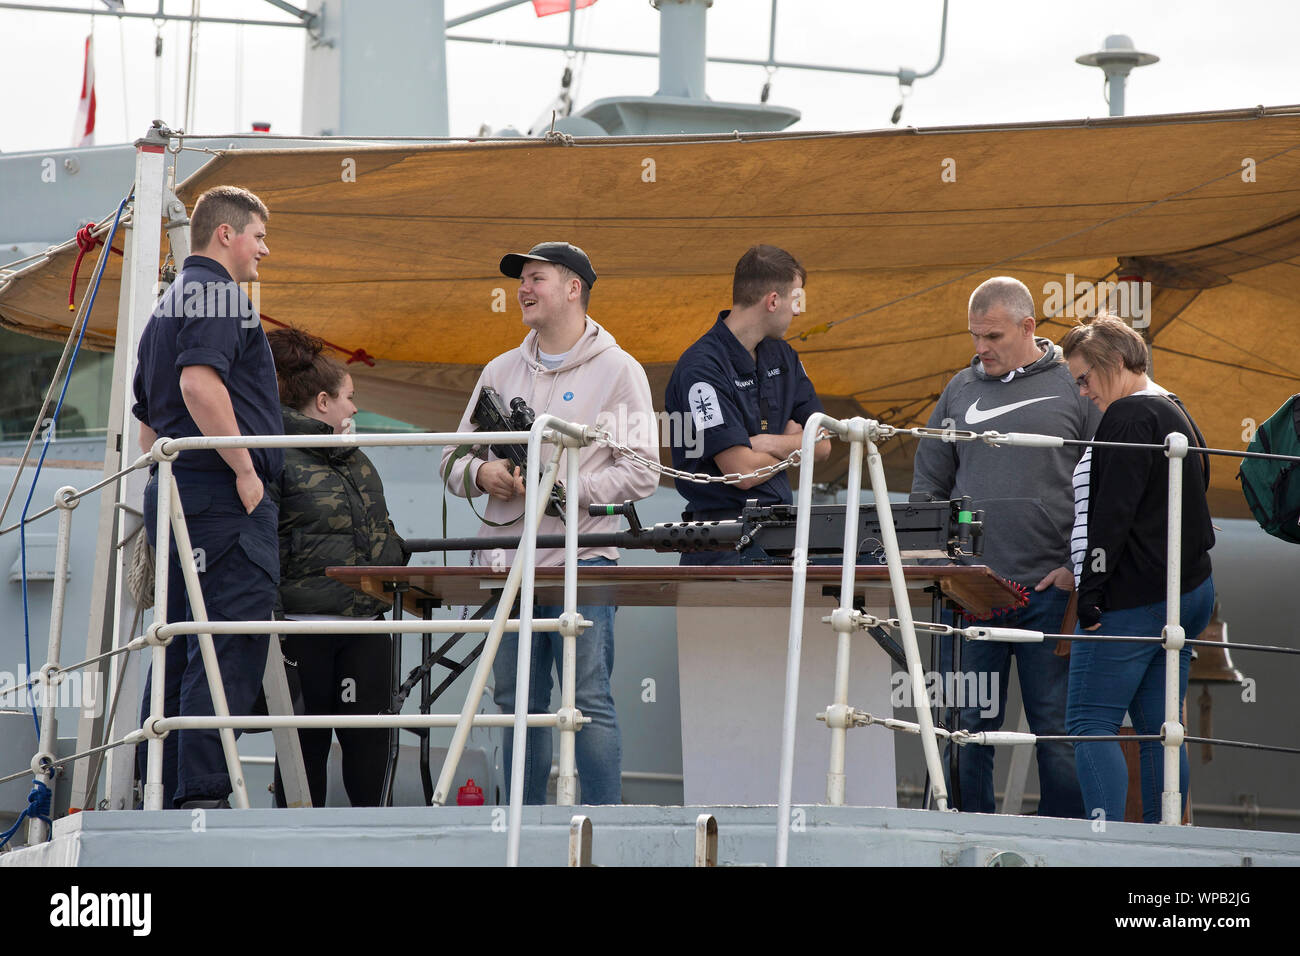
[[1122, 501]]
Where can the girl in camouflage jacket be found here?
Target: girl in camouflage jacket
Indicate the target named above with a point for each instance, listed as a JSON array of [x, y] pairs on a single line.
[[332, 513]]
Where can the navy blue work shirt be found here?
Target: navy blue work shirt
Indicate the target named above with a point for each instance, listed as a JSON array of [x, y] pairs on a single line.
[[720, 396], [205, 319]]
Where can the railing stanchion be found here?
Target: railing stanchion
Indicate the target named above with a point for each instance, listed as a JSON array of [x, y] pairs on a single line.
[[794, 649], [903, 607], [1171, 804], [207, 649], [837, 714], [535, 494], [153, 788], [38, 830], [566, 794], [484, 668]]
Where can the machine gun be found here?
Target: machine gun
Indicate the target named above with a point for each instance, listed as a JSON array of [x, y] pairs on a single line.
[[491, 415], [765, 534]]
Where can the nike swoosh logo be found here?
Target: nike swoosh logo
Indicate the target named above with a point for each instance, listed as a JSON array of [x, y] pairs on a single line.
[[975, 414]]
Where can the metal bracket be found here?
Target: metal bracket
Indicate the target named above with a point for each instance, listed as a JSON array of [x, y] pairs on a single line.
[[580, 841], [706, 840], [570, 718]]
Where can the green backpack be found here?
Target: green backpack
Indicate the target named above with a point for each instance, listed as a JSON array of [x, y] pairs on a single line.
[[1272, 488]]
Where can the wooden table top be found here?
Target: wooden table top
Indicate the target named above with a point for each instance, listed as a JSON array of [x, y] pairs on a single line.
[[976, 588]]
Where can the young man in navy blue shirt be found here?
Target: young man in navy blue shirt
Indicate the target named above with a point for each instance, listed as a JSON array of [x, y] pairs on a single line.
[[205, 368], [743, 392]]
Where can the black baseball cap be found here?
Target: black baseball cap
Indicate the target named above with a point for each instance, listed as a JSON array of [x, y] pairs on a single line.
[[558, 253]]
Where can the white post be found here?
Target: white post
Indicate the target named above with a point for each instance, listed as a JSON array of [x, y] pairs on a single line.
[[288, 746], [837, 715], [794, 649], [38, 831], [534, 497], [109, 615], [1171, 803], [938, 792], [208, 651], [566, 794], [153, 787], [499, 621]]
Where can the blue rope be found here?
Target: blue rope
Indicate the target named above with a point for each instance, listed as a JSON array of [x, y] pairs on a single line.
[[38, 808], [45, 447]]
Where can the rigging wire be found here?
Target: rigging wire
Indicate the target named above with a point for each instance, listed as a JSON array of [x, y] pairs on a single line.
[[121, 69], [239, 79], [157, 68], [178, 43], [49, 434], [192, 69]]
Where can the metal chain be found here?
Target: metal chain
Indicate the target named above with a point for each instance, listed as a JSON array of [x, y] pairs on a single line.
[[603, 437]]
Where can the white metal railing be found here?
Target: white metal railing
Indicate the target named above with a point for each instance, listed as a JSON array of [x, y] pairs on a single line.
[[862, 434], [566, 437], [844, 620], [1171, 800]]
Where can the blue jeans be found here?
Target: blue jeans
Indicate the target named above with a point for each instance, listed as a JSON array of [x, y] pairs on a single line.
[[1107, 679], [598, 745], [1043, 679]]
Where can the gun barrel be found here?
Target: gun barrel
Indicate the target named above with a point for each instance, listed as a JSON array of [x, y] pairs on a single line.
[[511, 543], [669, 538]]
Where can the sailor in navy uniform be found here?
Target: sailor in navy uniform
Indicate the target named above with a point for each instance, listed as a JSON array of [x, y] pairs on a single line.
[[742, 397]]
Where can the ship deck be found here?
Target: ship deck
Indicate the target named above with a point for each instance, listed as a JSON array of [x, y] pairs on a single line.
[[634, 836]]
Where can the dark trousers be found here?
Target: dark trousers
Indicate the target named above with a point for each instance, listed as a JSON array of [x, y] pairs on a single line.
[[341, 674], [238, 559]]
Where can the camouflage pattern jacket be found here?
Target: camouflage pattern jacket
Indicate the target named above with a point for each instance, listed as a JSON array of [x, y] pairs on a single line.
[[332, 513]]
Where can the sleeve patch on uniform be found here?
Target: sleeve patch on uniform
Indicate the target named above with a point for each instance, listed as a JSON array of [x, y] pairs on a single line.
[[705, 408]]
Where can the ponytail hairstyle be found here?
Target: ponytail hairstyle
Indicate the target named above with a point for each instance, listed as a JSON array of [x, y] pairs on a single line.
[[301, 368]]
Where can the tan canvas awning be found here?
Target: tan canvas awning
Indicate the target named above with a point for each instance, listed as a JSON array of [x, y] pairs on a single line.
[[394, 250]]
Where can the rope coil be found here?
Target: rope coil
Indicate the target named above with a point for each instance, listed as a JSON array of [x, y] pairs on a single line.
[[86, 242], [38, 808]]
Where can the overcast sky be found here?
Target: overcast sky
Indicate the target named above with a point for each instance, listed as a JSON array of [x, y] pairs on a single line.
[[1007, 60]]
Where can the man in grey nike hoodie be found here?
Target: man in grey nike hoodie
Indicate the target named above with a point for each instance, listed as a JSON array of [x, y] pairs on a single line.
[[1015, 383]]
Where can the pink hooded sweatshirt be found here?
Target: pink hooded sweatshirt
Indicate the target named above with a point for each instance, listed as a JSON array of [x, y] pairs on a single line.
[[597, 384]]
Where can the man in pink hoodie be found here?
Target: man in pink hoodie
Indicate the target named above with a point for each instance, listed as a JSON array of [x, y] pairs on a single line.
[[572, 368]]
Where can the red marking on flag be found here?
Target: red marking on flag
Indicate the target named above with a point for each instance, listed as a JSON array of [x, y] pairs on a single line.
[[84, 134], [544, 8]]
